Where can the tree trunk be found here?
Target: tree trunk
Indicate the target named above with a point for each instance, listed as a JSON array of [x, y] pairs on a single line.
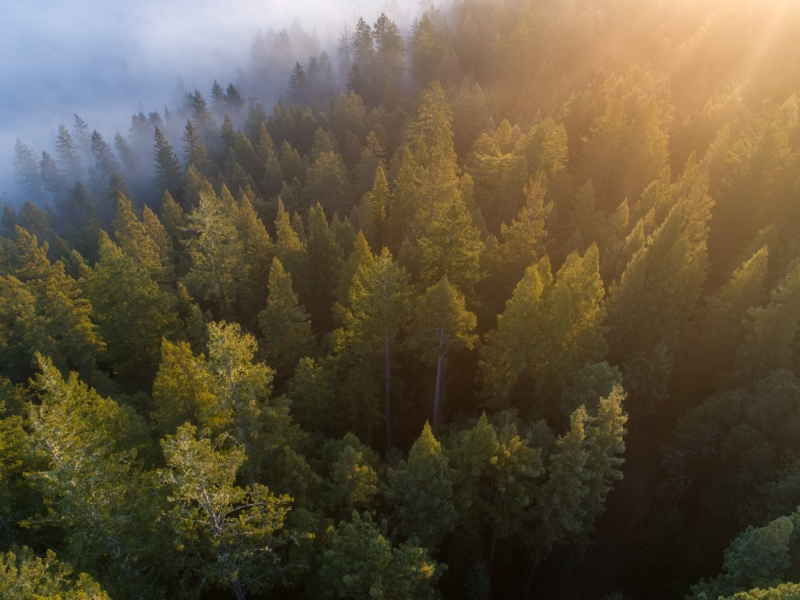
[[438, 395], [492, 548], [531, 575], [388, 394], [237, 589]]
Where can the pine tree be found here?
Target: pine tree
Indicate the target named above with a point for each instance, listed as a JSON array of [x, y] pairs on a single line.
[[299, 86], [352, 475], [652, 307], [721, 329], [51, 176], [26, 171], [271, 176], [324, 263], [43, 308], [132, 313], [183, 392], [441, 323], [373, 210], [771, 330], [284, 323], [289, 248], [216, 251], [361, 563], [378, 300], [450, 247], [133, 239], [549, 330], [194, 151], [421, 488], [259, 251], [524, 239], [68, 155], [169, 172], [360, 255]]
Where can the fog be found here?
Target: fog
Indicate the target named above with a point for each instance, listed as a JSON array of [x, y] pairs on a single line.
[[108, 60]]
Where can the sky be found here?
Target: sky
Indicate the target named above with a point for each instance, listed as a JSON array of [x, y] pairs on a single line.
[[106, 60]]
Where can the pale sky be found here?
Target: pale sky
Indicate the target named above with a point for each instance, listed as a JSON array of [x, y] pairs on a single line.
[[107, 59]]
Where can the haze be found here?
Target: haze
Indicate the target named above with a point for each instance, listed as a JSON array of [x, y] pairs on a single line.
[[108, 60]]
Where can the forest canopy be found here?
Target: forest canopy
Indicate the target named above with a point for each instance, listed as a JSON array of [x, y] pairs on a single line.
[[504, 305]]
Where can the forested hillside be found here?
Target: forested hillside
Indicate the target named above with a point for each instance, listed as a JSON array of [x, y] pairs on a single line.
[[502, 306]]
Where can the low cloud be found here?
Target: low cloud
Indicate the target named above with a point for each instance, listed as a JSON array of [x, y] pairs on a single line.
[[107, 60]]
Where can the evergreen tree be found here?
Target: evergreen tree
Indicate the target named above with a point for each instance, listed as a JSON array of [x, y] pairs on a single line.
[[422, 490], [51, 176], [324, 262], [26, 171], [378, 300], [169, 172], [372, 214], [549, 330], [194, 151], [284, 323], [132, 237], [43, 308], [68, 155], [652, 307], [216, 251], [441, 323], [132, 313], [360, 563]]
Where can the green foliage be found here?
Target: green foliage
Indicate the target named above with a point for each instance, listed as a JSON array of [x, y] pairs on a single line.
[[652, 307], [551, 328], [216, 251], [24, 575], [86, 459], [132, 312], [42, 308], [229, 532], [361, 563], [441, 323], [757, 558], [352, 475], [421, 488], [284, 323]]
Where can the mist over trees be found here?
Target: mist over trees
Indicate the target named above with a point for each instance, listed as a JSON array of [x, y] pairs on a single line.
[[500, 304]]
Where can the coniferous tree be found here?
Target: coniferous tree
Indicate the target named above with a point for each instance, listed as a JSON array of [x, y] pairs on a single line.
[[549, 330], [421, 488], [284, 323], [215, 250], [377, 310], [132, 313], [26, 171], [194, 151], [68, 155], [441, 323], [169, 172], [361, 563]]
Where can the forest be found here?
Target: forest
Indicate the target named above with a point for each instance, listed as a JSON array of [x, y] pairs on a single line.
[[502, 306]]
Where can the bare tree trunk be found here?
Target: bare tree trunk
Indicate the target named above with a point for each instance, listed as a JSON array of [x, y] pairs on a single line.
[[237, 589], [388, 394], [492, 548], [437, 397], [529, 585]]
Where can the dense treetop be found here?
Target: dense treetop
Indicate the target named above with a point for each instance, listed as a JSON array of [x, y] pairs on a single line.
[[402, 334]]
